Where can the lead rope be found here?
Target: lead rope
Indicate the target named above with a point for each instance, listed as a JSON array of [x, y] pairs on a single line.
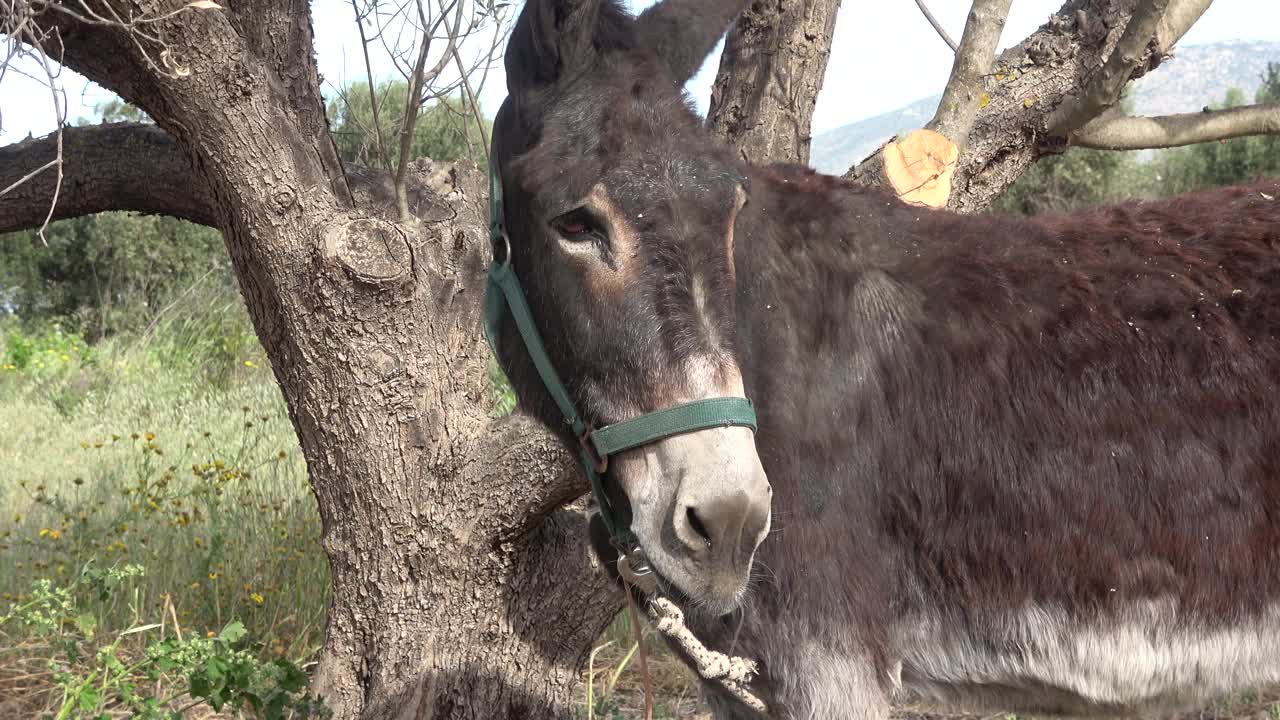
[[729, 671], [644, 659]]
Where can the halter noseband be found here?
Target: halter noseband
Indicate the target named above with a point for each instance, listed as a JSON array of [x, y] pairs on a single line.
[[504, 295]]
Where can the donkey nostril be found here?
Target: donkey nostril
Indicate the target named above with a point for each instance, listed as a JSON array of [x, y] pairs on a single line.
[[695, 523]]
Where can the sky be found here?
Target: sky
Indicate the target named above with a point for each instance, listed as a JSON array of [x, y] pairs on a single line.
[[869, 71]]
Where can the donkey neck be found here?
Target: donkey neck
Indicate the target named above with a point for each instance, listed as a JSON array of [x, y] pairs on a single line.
[[800, 232]]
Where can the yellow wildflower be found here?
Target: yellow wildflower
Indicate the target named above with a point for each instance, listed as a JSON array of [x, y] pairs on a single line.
[[257, 598]]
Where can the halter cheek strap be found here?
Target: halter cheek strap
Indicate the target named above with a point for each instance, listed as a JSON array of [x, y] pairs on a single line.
[[504, 296]]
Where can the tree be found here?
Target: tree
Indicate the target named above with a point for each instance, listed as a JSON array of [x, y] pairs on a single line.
[[1075, 178], [445, 130], [462, 584], [107, 272]]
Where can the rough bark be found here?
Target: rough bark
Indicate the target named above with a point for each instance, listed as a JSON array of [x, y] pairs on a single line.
[[460, 588], [962, 96], [770, 73], [1102, 91]]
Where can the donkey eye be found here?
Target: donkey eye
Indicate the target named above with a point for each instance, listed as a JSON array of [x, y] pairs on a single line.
[[579, 226]]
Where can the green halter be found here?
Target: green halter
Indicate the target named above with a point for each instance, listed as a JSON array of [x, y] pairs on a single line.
[[503, 295]]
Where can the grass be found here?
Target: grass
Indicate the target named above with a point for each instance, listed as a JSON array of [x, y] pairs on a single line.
[[171, 451]]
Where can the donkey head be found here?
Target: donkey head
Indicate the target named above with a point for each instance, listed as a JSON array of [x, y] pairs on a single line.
[[621, 214]]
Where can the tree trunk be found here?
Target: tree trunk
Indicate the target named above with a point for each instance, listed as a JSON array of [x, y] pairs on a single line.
[[770, 74], [462, 586]]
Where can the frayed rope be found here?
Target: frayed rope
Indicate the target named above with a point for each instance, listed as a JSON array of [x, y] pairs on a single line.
[[731, 672]]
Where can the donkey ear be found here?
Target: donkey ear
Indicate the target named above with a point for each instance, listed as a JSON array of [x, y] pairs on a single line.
[[550, 38], [684, 32]]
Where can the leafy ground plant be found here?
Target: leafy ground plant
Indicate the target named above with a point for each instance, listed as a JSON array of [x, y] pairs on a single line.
[[150, 669]]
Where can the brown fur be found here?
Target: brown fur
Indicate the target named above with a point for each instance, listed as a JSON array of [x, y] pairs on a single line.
[[962, 417]]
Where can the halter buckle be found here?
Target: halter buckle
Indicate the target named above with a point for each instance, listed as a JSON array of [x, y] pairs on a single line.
[[600, 463], [634, 567]]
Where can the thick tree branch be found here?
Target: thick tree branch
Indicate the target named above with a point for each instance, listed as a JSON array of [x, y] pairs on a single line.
[[962, 97], [1177, 20], [1028, 82], [530, 465], [119, 166], [1103, 89], [1138, 133]]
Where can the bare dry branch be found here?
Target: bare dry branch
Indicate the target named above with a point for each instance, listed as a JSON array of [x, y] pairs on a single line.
[[383, 158], [1139, 133], [1103, 89], [419, 79], [60, 117], [962, 97], [472, 100], [942, 33]]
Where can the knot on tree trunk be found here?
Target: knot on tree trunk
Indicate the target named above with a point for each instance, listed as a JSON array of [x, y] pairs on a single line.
[[371, 250]]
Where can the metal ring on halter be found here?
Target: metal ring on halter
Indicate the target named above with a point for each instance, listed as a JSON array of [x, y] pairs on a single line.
[[506, 246]]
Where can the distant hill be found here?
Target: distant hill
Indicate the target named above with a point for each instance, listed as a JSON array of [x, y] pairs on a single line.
[[1197, 75]]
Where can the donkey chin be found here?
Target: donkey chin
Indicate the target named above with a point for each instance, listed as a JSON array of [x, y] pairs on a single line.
[[700, 505]]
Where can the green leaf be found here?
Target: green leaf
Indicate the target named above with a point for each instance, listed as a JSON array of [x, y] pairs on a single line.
[[200, 686], [89, 698], [292, 678], [216, 669], [275, 707], [232, 632], [86, 624]]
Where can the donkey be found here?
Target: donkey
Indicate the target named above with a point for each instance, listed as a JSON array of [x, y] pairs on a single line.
[[1000, 463]]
